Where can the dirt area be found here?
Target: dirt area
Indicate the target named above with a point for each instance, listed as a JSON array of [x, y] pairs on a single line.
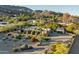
[[7, 45]]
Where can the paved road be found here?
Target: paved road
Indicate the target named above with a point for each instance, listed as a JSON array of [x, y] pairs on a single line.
[[75, 46]]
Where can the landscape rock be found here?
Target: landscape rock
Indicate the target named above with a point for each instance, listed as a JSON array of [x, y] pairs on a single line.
[[23, 47], [30, 47], [15, 50], [38, 44]]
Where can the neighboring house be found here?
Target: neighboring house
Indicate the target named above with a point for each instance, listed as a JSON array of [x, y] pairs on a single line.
[[64, 24], [31, 21], [60, 29], [31, 28], [46, 31], [74, 19], [3, 23]]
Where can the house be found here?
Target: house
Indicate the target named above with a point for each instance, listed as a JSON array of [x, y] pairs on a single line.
[[3, 23], [60, 29]]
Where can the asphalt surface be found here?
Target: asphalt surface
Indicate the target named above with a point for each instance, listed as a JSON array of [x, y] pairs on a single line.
[[75, 47]]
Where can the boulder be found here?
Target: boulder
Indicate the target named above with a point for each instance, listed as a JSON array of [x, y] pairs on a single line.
[[23, 47], [30, 47], [15, 49], [38, 44]]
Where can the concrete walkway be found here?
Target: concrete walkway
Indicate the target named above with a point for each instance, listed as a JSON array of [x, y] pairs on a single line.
[[75, 47]]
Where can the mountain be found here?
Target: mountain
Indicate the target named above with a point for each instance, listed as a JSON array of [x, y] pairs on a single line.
[[9, 10]]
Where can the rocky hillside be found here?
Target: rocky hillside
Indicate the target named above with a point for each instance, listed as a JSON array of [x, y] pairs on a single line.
[[8, 10]]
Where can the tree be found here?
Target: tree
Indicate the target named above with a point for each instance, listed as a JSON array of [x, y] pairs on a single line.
[[52, 26], [66, 17], [70, 28], [34, 39]]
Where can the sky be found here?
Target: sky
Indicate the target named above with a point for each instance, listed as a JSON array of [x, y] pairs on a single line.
[[71, 9]]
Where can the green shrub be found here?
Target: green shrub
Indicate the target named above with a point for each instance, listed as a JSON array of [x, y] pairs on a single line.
[[58, 48], [33, 32], [45, 39]]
